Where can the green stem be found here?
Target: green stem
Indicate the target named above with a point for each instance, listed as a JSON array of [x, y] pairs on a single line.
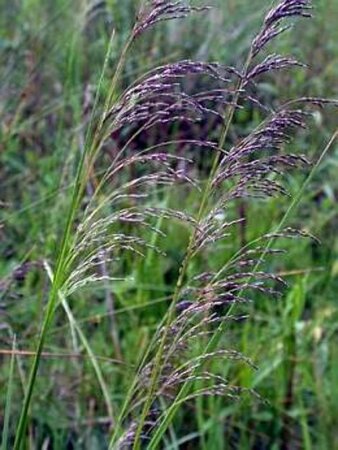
[[21, 428], [189, 253], [215, 338], [90, 150]]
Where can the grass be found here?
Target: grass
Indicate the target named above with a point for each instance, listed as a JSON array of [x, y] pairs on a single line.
[[48, 61]]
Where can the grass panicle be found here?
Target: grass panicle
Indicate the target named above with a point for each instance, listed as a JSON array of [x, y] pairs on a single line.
[[112, 202]]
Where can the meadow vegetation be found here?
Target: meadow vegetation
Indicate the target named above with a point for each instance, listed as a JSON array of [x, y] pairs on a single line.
[[168, 225]]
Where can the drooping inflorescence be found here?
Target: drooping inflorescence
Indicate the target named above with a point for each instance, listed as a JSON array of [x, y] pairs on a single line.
[[242, 168], [273, 27], [155, 11]]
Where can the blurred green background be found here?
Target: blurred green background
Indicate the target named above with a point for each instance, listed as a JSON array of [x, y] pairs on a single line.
[[51, 55]]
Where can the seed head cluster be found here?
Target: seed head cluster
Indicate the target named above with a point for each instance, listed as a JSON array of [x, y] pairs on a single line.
[[244, 167]]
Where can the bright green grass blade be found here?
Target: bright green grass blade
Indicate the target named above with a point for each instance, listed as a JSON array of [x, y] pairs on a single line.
[[85, 343]]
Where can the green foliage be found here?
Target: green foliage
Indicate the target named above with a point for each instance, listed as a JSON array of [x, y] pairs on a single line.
[[51, 55]]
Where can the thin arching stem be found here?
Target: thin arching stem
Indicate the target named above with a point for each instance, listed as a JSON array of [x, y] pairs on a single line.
[[189, 253], [91, 148]]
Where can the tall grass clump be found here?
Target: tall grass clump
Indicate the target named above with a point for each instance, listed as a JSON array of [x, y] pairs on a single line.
[[110, 205]]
